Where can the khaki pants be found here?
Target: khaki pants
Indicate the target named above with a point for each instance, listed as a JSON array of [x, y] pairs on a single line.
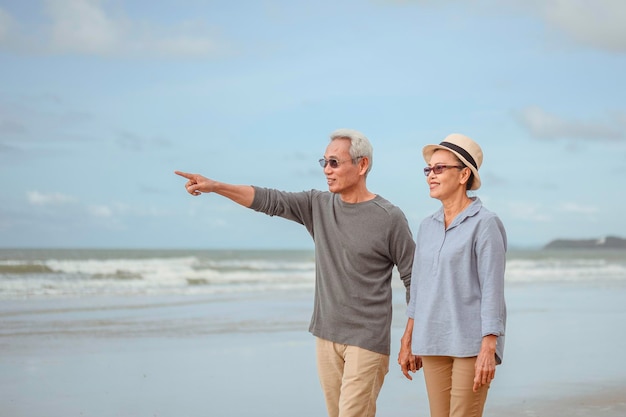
[[449, 383], [351, 378]]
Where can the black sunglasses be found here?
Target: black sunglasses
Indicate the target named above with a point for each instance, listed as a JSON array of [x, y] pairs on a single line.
[[334, 163]]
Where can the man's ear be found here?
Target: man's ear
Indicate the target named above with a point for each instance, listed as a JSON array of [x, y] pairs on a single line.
[[364, 163]]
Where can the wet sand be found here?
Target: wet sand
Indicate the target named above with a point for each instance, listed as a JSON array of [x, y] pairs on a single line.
[[252, 355]]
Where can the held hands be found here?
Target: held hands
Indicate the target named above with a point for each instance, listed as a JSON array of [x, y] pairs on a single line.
[[197, 184], [408, 361]]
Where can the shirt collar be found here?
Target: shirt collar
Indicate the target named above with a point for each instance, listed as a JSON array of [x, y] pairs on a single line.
[[469, 211]]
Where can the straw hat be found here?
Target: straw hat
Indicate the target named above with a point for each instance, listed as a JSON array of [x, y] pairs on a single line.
[[464, 148]]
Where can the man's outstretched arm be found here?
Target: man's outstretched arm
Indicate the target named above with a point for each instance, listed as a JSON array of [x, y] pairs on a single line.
[[197, 184]]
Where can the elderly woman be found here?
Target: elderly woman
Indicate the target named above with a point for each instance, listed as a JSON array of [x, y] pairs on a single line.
[[457, 312]]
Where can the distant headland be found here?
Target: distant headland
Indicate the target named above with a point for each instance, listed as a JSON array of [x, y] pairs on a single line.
[[608, 242]]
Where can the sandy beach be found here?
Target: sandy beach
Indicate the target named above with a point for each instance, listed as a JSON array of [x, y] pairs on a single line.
[[251, 355]]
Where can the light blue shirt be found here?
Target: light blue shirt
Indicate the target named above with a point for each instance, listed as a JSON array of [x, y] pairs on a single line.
[[457, 283]]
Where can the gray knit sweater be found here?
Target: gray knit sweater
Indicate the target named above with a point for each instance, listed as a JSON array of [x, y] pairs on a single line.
[[356, 249]]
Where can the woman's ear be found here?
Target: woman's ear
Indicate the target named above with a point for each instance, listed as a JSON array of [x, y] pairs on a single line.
[[465, 175]]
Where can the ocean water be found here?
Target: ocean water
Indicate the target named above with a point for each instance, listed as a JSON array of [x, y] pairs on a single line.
[[30, 273], [87, 272], [189, 333]]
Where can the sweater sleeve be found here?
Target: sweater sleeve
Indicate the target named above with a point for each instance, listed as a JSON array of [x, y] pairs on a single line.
[[295, 206], [402, 249]]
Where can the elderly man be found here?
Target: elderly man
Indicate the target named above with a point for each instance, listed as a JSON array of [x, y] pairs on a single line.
[[359, 238]]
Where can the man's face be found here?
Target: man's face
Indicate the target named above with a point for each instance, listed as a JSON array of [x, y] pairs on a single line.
[[345, 176]]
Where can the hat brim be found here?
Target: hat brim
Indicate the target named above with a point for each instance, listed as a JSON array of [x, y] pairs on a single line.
[[429, 150]]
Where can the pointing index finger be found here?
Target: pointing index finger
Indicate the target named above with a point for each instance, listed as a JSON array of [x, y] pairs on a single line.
[[184, 174]]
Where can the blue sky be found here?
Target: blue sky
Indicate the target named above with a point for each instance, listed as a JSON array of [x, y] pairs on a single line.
[[100, 101]]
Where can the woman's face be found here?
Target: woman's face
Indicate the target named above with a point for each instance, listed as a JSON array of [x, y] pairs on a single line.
[[451, 180]]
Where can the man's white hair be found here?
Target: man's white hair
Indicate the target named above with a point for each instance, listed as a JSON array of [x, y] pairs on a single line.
[[359, 144]]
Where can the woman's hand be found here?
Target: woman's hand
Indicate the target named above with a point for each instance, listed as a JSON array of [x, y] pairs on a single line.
[[485, 368]]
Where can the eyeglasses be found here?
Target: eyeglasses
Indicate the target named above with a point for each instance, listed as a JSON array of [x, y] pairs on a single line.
[[334, 163], [438, 169]]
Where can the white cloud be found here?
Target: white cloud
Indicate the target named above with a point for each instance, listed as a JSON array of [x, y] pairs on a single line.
[[82, 26], [579, 209], [538, 213], [31, 120], [529, 212], [184, 46], [87, 27], [544, 125], [115, 209], [42, 199], [100, 211], [5, 25], [10, 126], [6, 148], [597, 23], [125, 210], [620, 117]]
